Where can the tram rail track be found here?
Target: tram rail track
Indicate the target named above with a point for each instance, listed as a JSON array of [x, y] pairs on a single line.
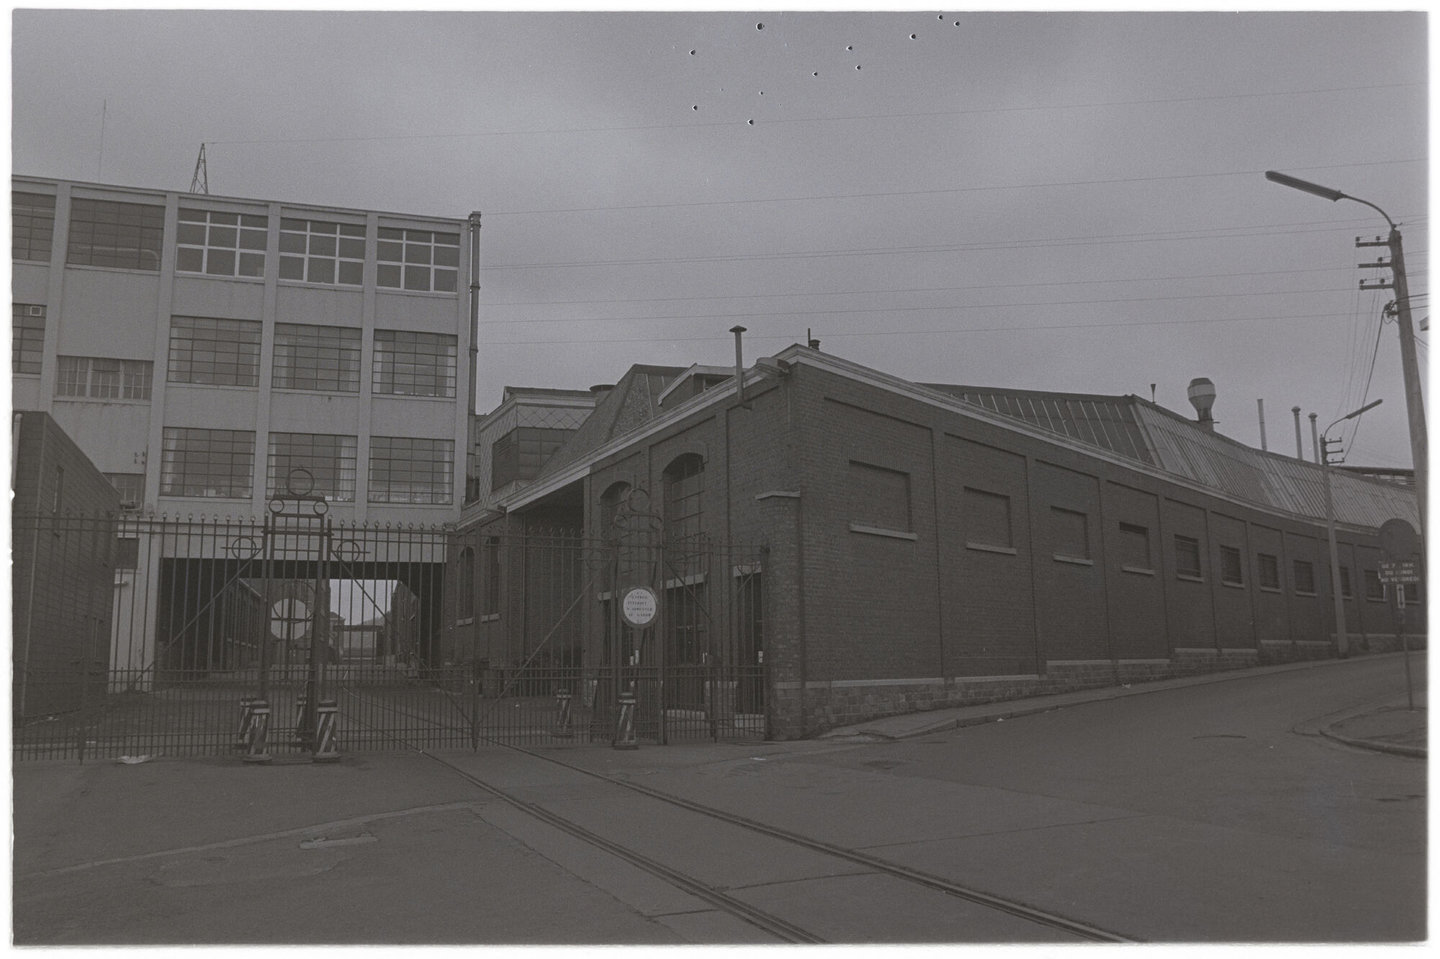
[[777, 926]]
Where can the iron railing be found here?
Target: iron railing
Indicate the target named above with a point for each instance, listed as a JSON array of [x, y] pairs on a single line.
[[141, 636]]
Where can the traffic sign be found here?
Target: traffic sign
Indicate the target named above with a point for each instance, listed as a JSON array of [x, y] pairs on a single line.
[[1399, 571], [290, 619], [639, 606]]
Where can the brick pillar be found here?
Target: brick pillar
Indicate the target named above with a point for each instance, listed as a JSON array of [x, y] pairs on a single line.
[[784, 613]]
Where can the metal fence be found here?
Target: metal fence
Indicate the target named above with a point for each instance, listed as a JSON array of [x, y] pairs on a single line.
[[144, 636]]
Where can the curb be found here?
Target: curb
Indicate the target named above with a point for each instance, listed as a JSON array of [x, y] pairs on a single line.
[[998, 711]]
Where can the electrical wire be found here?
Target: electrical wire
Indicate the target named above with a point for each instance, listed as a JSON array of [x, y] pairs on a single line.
[[923, 289], [1026, 244], [936, 192], [1038, 328], [1166, 101], [894, 309]]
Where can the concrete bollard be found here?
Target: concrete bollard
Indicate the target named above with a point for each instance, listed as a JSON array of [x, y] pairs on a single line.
[[256, 748]]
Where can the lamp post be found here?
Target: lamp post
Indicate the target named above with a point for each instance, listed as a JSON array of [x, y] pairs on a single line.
[[1414, 403], [1342, 642]]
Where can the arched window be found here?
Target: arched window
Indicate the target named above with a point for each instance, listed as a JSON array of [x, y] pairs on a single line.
[[684, 490], [465, 584], [610, 502]]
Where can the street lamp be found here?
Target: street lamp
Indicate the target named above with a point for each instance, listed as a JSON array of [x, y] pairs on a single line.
[[1342, 642], [1409, 365]]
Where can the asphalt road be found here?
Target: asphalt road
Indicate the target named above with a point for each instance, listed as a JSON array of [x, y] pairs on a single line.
[[1199, 814]]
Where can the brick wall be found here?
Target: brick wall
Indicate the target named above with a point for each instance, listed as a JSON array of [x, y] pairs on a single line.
[[63, 542]]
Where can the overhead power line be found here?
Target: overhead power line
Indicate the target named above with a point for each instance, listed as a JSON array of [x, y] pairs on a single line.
[[937, 192], [918, 289], [974, 111], [1228, 233], [1037, 328], [899, 309]]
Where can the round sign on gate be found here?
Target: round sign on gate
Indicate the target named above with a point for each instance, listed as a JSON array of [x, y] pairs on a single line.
[[639, 606], [290, 619]]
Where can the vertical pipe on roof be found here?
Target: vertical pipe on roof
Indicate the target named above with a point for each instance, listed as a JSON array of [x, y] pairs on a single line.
[[1299, 448], [1260, 407], [1315, 437]]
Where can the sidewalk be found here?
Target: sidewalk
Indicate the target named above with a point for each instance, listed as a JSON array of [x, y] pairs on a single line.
[[1388, 727]]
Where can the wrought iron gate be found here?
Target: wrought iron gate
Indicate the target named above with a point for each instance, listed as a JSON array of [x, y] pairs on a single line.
[[146, 635]]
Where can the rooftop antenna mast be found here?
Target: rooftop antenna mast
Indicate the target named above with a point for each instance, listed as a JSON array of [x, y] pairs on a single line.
[[200, 182]]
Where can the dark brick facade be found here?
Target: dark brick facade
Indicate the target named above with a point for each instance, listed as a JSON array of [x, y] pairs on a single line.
[[63, 573], [918, 556]]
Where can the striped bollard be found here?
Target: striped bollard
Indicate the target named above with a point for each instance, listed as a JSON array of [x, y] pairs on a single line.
[[625, 725], [301, 734], [325, 749], [247, 719], [562, 722], [255, 749]]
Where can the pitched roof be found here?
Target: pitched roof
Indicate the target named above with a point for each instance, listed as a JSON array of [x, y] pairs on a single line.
[[1140, 430], [630, 404]]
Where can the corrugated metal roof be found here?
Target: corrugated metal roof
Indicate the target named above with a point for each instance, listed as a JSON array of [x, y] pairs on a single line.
[[1269, 479], [1142, 431]]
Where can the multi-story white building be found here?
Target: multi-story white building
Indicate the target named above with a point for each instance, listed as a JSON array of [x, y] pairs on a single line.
[[207, 353], [199, 348]]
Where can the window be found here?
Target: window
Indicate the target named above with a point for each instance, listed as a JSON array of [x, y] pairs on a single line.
[[1374, 589], [317, 358], [1304, 577], [684, 489], [122, 235], [414, 364], [417, 260], [987, 519], [102, 378], [317, 251], [211, 463], [32, 226], [1345, 582], [1187, 557], [330, 461], [1268, 569], [127, 552], [405, 469], [520, 453], [610, 502], [1134, 546], [1072, 533], [220, 244], [130, 486], [491, 605], [1232, 570], [465, 584], [879, 497], [27, 337], [214, 352]]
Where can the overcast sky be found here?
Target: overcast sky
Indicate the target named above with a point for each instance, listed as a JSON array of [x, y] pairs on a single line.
[[1044, 201]]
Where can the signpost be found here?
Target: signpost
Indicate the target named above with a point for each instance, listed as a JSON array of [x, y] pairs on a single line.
[[1401, 545]]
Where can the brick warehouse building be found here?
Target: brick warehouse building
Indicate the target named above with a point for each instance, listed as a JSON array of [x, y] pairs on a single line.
[[919, 546]]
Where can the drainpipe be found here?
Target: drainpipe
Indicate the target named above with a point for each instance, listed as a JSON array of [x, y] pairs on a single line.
[[474, 319]]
